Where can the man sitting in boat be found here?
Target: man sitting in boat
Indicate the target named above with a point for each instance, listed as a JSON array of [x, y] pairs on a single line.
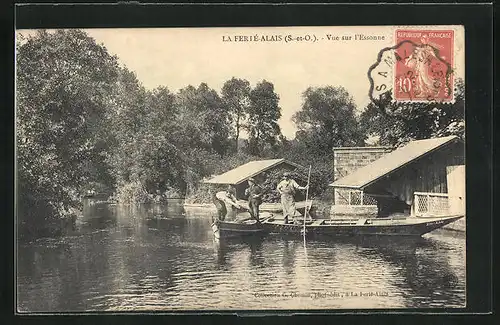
[[254, 193], [287, 188], [221, 198]]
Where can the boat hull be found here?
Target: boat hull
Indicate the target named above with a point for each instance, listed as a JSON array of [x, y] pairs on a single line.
[[227, 229], [361, 227], [273, 223]]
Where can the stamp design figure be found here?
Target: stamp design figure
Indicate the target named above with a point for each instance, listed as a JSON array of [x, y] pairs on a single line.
[[423, 69]]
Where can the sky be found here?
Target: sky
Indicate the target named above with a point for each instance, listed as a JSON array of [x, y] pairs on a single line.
[[178, 57]]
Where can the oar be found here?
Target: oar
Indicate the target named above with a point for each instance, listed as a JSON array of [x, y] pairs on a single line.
[[307, 195]]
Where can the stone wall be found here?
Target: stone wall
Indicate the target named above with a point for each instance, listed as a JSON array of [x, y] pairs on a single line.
[[348, 159]]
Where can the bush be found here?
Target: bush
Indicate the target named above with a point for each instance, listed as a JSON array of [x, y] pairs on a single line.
[[132, 193], [200, 195], [38, 217], [96, 187], [172, 193]]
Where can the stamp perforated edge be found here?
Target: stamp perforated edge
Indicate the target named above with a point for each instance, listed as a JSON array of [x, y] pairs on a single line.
[[458, 48]]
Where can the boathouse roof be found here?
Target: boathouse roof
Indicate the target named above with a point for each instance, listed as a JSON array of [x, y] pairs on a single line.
[[391, 162], [242, 173]]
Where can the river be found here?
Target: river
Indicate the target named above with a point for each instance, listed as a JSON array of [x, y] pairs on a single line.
[[162, 259]]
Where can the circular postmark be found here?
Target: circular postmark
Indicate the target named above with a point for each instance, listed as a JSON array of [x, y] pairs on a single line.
[[414, 71]]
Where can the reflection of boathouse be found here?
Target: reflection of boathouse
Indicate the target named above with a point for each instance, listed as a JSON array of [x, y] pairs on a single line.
[[422, 178], [260, 170]]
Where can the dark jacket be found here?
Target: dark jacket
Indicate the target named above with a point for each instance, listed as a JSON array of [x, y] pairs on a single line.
[[254, 193]]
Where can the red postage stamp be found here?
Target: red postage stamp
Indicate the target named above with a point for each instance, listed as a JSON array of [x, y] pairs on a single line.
[[423, 70]]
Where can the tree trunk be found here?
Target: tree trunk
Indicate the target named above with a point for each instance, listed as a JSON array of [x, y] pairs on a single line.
[[237, 131], [257, 150]]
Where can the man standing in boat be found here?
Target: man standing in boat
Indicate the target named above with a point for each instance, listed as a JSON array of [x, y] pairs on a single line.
[[222, 198], [254, 193], [287, 188]]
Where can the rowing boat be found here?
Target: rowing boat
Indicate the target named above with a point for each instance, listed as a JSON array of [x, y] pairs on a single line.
[[226, 229], [399, 226], [274, 224]]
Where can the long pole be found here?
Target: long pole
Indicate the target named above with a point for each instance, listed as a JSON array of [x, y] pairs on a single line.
[[306, 209]]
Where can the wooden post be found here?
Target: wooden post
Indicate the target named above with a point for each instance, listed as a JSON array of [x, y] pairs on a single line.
[[416, 204], [350, 197], [362, 196]]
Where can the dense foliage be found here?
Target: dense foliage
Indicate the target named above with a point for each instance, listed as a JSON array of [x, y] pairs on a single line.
[[236, 97], [394, 123], [64, 86], [263, 114], [85, 122], [327, 120]]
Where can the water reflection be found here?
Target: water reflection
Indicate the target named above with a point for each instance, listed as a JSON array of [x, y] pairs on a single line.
[[419, 273], [227, 246], [154, 258]]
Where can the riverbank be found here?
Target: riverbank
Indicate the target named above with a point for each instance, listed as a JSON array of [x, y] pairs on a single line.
[[321, 208], [195, 208], [458, 225]]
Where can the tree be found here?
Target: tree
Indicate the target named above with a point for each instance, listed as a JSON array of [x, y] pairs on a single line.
[[263, 115], [235, 94], [395, 123], [64, 85], [165, 142], [127, 118], [152, 152], [204, 118], [327, 120]]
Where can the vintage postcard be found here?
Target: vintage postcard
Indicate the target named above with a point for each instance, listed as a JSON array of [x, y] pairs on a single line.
[[229, 169]]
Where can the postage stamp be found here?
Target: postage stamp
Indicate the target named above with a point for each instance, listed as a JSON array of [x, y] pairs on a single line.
[[419, 66], [423, 68]]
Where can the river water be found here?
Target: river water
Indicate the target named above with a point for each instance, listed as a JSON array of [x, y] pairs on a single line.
[[162, 259]]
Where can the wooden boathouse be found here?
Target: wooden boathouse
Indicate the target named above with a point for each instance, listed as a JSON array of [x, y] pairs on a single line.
[[422, 178], [258, 169]]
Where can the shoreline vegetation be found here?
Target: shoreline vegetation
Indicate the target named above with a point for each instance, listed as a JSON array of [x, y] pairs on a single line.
[[84, 122]]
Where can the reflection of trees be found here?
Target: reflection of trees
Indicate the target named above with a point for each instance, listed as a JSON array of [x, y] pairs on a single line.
[[137, 258], [421, 264], [140, 258], [418, 268], [221, 249], [38, 289], [56, 273], [117, 251], [315, 253], [255, 244], [197, 230], [288, 257], [173, 208], [96, 216], [225, 246], [173, 226]]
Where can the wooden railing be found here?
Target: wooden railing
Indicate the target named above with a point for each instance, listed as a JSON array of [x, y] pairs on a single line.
[[430, 204], [353, 197]]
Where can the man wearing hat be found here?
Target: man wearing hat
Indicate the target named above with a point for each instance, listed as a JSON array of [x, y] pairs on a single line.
[[222, 198], [287, 188], [254, 193]]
